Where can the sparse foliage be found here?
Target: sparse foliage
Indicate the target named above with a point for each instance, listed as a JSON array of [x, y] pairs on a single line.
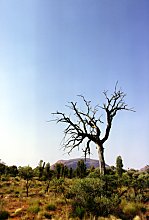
[[41, 167], [59, 169], [2, 168], [89, 194], [81, 169], [27, 174], [119, 166]]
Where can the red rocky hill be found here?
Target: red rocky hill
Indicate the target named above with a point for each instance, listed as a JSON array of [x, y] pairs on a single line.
[[72, 163]]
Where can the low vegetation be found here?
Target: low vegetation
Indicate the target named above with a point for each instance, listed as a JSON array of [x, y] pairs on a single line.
[[63, 193]]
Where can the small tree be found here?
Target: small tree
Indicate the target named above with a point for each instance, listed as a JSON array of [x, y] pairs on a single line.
[[12, 170], [81, 169], [26, 173], [119, 166], [59, 169], [66, 171], [86, 125], [41, 167], [47, 172], [47, 175], [70, 173], [2, 168]]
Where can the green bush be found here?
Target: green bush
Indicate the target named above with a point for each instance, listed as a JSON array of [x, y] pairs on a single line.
[[131, 209], [90, 194], [95, 173], [4, 215], [17, 179], [58, 186], [5, 178], [78, 211], [47, 215], [17, 193], [50, 207], [34, 209]]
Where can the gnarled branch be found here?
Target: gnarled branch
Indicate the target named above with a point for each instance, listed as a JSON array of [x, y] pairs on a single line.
[[86, 125]]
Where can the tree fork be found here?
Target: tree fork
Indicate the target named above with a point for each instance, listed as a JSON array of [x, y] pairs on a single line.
[[86, 125]]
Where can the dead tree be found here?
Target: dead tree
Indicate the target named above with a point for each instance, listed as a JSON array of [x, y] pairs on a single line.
[[86, 125]]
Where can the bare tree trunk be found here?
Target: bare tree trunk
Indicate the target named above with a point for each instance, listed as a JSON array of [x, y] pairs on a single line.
[[101, 159]]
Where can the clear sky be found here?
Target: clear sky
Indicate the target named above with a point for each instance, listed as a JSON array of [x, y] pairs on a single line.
[[53, 50]]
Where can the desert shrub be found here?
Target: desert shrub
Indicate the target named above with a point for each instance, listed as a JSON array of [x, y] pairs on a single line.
[[95, 173], [89, 195], [58, 186], [34, 209], [105, 206], [110, 184], [50, 207], [5, 178], [26, 173], [47, 215], [131, 209], [17, 179], [78, 211], [43, 215], [17, 193], [4, 215]]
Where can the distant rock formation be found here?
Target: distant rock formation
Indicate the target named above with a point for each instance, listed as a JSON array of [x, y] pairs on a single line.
[[72, 163], [145, 169]]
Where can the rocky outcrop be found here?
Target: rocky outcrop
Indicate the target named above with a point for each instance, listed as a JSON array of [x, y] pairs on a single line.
[[72, 163], [145, 169]]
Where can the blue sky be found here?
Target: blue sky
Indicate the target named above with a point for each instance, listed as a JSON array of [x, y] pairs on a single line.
[[53, 50]]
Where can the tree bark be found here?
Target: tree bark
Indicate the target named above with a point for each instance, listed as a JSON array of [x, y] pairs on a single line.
[[101, 159]]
